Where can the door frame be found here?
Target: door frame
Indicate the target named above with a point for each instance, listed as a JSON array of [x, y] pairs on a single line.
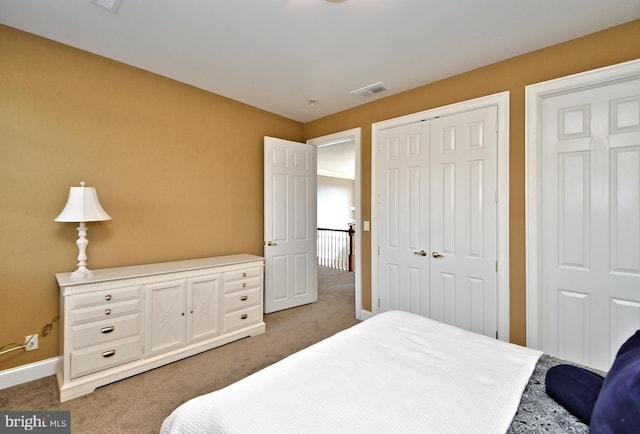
[[501, 101], [534, 97], [354, 134]]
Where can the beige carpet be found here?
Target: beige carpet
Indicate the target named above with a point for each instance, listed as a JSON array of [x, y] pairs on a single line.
[[139, 404]]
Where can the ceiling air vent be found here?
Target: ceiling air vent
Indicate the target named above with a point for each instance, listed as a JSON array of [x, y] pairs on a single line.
[[372, 89]]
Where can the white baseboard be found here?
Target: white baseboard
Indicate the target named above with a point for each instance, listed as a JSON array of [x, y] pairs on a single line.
[[365, 314], [25, 373]]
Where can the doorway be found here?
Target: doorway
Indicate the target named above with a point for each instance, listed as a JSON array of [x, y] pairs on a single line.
[[352, 139]]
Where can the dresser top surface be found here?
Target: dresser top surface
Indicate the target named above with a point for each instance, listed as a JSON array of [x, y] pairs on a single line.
[[106, 274]]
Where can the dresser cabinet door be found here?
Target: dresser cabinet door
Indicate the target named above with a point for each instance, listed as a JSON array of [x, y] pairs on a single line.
[[204, 307], [166, 311]]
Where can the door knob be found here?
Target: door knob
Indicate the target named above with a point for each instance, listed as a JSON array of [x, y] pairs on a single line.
[[437, 255], [271, 243], [421, 253]]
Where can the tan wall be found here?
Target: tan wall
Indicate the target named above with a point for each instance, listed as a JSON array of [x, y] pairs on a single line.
[[178, 169], [608, 47]]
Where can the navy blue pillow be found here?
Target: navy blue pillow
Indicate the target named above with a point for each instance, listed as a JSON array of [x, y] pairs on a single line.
[[574, 388], [617, 410]]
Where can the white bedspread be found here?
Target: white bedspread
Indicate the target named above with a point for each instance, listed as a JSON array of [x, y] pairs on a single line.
[[394, 373]]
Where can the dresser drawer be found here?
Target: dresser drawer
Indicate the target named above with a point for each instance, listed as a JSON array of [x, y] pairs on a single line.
[[242, 299], [100, 357], [242, 274], [104, 331], [242, 318], [103, 312], [246, 283], [106, 297]]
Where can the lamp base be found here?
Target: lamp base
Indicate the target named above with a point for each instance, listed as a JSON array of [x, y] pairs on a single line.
[[82, 243], [81, 273]]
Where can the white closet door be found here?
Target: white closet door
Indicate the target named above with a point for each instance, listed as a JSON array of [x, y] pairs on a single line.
[[591, 222], [436, 194], [403, 216], [463, 229]]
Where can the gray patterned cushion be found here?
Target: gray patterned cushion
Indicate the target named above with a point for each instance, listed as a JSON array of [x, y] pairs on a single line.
[[537, 412]]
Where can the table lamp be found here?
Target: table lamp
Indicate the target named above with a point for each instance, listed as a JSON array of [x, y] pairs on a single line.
[[82, 206]]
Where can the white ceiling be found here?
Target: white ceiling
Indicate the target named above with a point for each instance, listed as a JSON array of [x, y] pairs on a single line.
[[278, 54], [337, 160]]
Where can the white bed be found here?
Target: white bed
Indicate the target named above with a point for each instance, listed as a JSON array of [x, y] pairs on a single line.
[[395, 372]]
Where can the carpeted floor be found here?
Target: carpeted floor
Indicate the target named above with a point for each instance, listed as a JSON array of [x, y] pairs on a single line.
[[139, 404]]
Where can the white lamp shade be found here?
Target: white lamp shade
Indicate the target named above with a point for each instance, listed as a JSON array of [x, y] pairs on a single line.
[[83, 206]]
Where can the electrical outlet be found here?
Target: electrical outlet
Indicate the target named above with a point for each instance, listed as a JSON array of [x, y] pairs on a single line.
[[31, 342]]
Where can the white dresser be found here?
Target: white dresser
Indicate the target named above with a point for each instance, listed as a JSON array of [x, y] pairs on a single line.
[[124, 321]]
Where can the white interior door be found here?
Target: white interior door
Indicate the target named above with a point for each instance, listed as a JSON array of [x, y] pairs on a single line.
[[403, 215], [289, 224], [436, 214], [463, 229], [590, 176]]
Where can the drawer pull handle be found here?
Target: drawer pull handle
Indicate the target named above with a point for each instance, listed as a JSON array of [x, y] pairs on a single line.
[[244, 316], [244, 284], [108, 329], [109, 353], [244, 274], [244, 298], [107, 311], [107, 297]]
